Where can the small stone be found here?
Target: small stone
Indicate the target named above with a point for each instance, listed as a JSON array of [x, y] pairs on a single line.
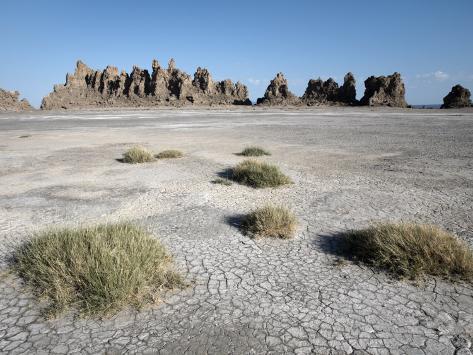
[[272, 341], [297, 332], [460, 341], [60, 349]]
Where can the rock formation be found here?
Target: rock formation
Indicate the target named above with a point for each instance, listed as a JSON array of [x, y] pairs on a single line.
[[278, 93], [163, 87], [384, 91], [328, 92], [347, 93], [9, 102], [457, 98]]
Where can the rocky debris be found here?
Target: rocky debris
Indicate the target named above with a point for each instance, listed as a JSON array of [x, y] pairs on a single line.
[[458, 97], [9, 101], [328, 92], [384, 91], [278, 93], [164, 87]]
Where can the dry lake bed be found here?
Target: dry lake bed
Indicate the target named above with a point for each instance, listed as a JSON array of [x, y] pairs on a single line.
[[350, 167]]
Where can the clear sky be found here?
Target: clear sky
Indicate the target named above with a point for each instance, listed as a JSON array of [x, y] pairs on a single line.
[[428, 41]]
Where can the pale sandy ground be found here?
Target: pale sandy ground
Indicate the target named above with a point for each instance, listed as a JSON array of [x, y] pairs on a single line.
[[350, 167]]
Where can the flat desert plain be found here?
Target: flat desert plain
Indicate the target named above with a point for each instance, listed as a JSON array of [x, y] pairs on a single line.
[[350, 167]]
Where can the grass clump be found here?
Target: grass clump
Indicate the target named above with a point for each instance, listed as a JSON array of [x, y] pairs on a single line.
[[270, 221], [409, 250], [254, 151], [137, 154], [221, 181], [99, 270], [170, 154], [259, 174]]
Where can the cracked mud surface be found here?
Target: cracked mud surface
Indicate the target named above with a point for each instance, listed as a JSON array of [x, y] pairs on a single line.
[[350, 167]]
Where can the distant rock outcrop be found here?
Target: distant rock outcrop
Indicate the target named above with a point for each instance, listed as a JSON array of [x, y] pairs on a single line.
[[458, 97], [384, 91], [347, 93], [278, 93], [163, 87], [328, 92], [9, 101]]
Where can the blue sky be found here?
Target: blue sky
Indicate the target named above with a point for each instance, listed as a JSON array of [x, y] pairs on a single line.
[[428, 42]]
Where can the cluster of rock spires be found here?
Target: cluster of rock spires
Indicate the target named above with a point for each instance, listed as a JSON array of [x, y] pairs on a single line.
[[318, 92], [172, 87], [163, 87], [380, 91], [9, 101], [88, 88]]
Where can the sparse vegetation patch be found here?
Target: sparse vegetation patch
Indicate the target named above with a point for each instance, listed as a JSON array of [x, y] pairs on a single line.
[[254, 151], [170, 154], [221, 181], [270, 221], [137, 155], [411, 250], [99, 270], [258, 174]]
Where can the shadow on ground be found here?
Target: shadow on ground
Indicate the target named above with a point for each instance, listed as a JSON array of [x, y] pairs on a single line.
[[226, 174], [331, 243], [334, 244], [235, 221]]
